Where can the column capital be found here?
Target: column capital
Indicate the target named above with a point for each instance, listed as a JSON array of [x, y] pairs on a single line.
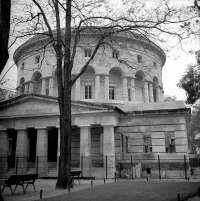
[[85, 125], [41, 128], [43, 78], [51, 76], [109, 124], [106, 75], [20, 129], [27, 82]]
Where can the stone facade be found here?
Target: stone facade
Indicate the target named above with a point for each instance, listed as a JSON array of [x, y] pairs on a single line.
[[120, 122]]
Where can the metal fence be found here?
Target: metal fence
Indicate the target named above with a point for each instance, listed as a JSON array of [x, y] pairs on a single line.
[[126, 163]]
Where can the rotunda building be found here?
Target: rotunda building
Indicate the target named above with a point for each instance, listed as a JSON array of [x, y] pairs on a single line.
[[128, 72], [120, 123]]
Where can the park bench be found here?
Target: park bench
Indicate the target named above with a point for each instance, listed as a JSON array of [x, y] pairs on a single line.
[[75, 175], [20, 180]]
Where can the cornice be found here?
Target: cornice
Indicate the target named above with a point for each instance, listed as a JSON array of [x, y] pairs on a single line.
[[38, 39]]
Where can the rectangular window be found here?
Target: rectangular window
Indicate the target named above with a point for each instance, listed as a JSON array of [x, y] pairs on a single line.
[[88, 92], [147, 143], [154, 64], [23, 66], [115, 54], [47, 87], [112, 93], [129, 94], [139, 58], [88, 52], [125, 143], [170, 142], [101, 143], [37, 59]]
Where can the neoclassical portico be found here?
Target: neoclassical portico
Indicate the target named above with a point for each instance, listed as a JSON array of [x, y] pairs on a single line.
[[36, 152]]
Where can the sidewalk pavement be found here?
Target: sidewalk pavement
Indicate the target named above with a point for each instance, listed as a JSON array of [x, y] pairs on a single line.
[[48, 189]]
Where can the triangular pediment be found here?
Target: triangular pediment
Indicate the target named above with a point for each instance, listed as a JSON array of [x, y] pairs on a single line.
[[32, 104]]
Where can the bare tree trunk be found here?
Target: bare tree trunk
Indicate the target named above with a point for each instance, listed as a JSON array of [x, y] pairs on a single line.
[[5, 7], [64, 97]]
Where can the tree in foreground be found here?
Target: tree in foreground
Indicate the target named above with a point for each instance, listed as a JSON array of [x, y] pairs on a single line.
[[5, 8], [194, 137], [64, 24]]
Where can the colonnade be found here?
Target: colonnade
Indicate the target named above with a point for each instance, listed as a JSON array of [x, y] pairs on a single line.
[[147, 89], [42, 149]]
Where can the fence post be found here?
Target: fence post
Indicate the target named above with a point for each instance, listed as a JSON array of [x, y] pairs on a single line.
[[185, 165], [179, 197], [159, 166], [132, 166], [37, 164], [16, 165], [82, 166], [106, 169]]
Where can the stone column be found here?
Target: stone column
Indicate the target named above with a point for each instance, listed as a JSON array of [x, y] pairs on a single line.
[[43, 92], [106, 84], [133, 90], [85, 149], [26, 87], [51, 89], [151, 100], [97, 87], [42, 150], [146, 92], [78, 89], [31, 87], [125, 89], [161, 95], [157, 94], [58, 151], [3, 153], [109, 151], [22, 150]]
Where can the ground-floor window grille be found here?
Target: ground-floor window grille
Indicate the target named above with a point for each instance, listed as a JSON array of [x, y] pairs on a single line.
[[170, 142], [147, 143]]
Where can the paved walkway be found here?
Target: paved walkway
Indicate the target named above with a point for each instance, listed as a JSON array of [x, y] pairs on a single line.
[[48, 189], [140, 187]]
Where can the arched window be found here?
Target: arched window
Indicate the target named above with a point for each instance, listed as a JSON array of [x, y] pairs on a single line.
[[21, 84], [139, 86], [115, 84], [88, 83]]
